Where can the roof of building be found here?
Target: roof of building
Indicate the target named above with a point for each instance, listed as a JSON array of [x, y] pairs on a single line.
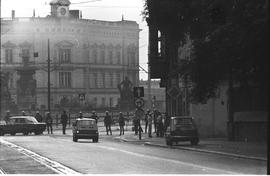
[[60, 2]]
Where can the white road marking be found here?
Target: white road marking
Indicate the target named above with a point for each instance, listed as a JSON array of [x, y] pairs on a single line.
[[55, 166], [2, 172], [170, 160]]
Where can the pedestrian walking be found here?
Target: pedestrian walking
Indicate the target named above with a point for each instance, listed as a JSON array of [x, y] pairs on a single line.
[[155, 120], [121, 123], [108, 122], [7, 116], [136, 123], [23, 113], [150, 121], [49, 123], [38, 117], [167, 122], [160, 127], [146, 120], [64, 119], [94, 116], [80, 115]]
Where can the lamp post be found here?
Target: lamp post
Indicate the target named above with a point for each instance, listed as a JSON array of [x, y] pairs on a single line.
[[49, 78]]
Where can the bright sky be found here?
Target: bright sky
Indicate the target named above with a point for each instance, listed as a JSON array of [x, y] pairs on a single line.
[[109, 10]]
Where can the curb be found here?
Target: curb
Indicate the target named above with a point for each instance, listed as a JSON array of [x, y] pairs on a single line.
[[209, 151]]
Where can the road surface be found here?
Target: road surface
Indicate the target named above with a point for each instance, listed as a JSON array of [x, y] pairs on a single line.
[[109, 156]]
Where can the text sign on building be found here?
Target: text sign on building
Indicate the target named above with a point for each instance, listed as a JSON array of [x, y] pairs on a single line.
[[138, 92]]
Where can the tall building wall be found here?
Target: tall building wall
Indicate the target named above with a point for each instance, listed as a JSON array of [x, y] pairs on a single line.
[[101, 54]]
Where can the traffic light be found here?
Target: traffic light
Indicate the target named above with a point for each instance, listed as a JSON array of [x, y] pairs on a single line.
[[138, 92]]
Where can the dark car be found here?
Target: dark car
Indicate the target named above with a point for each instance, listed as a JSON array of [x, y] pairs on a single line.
[[22, 124], [85, 128], [182, 128]]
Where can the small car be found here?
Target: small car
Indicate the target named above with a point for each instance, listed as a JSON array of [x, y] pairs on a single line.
[[22, 124], [85, 128], [182, 128]]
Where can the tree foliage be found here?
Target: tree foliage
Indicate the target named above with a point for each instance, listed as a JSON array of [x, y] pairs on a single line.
[[230, 40]]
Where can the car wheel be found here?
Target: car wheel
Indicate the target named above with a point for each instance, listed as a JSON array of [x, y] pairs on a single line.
[[169, 142], [194, 141], [12, 134], [95, 139], [37, 133], [75, 139]]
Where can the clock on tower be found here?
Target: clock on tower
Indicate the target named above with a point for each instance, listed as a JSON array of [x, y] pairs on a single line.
[[60, 8]]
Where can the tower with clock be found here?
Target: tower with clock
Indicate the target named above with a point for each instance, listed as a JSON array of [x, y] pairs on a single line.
[[60, 8]]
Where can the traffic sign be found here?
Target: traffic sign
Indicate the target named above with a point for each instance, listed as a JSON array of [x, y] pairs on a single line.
[[139, 102], [139, 113], [138, 92], [82, 96]]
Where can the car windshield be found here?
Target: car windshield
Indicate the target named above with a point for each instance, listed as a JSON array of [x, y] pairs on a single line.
[[183, 123], [86, 122]]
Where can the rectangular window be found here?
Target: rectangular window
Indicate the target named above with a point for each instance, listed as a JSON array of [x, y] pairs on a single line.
[[102, 56], [64, 56], [111, 102], [118, 57], [95, 80], [25, 55], [94, 56], [103, 80], [103, 101], [9, 55], [110, 57], [95, 101], [65, 79], [111, 80], [118, 78]]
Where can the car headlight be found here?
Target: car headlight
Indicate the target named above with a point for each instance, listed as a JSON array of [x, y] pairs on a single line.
[[77, 131]]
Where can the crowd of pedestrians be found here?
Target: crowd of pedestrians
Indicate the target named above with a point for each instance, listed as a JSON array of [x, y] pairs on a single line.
[[151, 119]]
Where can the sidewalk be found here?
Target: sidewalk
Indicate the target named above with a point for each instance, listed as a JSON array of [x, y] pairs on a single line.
[[220, 146]]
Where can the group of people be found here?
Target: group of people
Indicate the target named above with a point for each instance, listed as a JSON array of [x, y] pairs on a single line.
[[108, 121], [161, 122], [151, 117]]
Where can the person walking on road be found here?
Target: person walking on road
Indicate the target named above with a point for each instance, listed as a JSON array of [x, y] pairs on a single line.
[[121, 123], [160, 127], [108, 122], [49, 123], [94, 116], [150, 121], [64, 119], [167, 122], [155, 120], [146, 120], [7, 116], [23, 113], [80, 115], [38, 117]]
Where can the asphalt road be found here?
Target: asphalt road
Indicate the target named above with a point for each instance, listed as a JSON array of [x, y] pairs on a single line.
[[113, 157]]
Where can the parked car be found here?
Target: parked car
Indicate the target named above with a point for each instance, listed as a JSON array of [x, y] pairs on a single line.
[[182, 128], [22, 124], [85, 128]]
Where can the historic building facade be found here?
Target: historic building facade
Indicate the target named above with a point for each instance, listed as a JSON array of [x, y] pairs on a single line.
[[88, 58]]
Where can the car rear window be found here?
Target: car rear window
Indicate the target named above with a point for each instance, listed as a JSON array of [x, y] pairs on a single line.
[[86, 122], [184, 123]]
